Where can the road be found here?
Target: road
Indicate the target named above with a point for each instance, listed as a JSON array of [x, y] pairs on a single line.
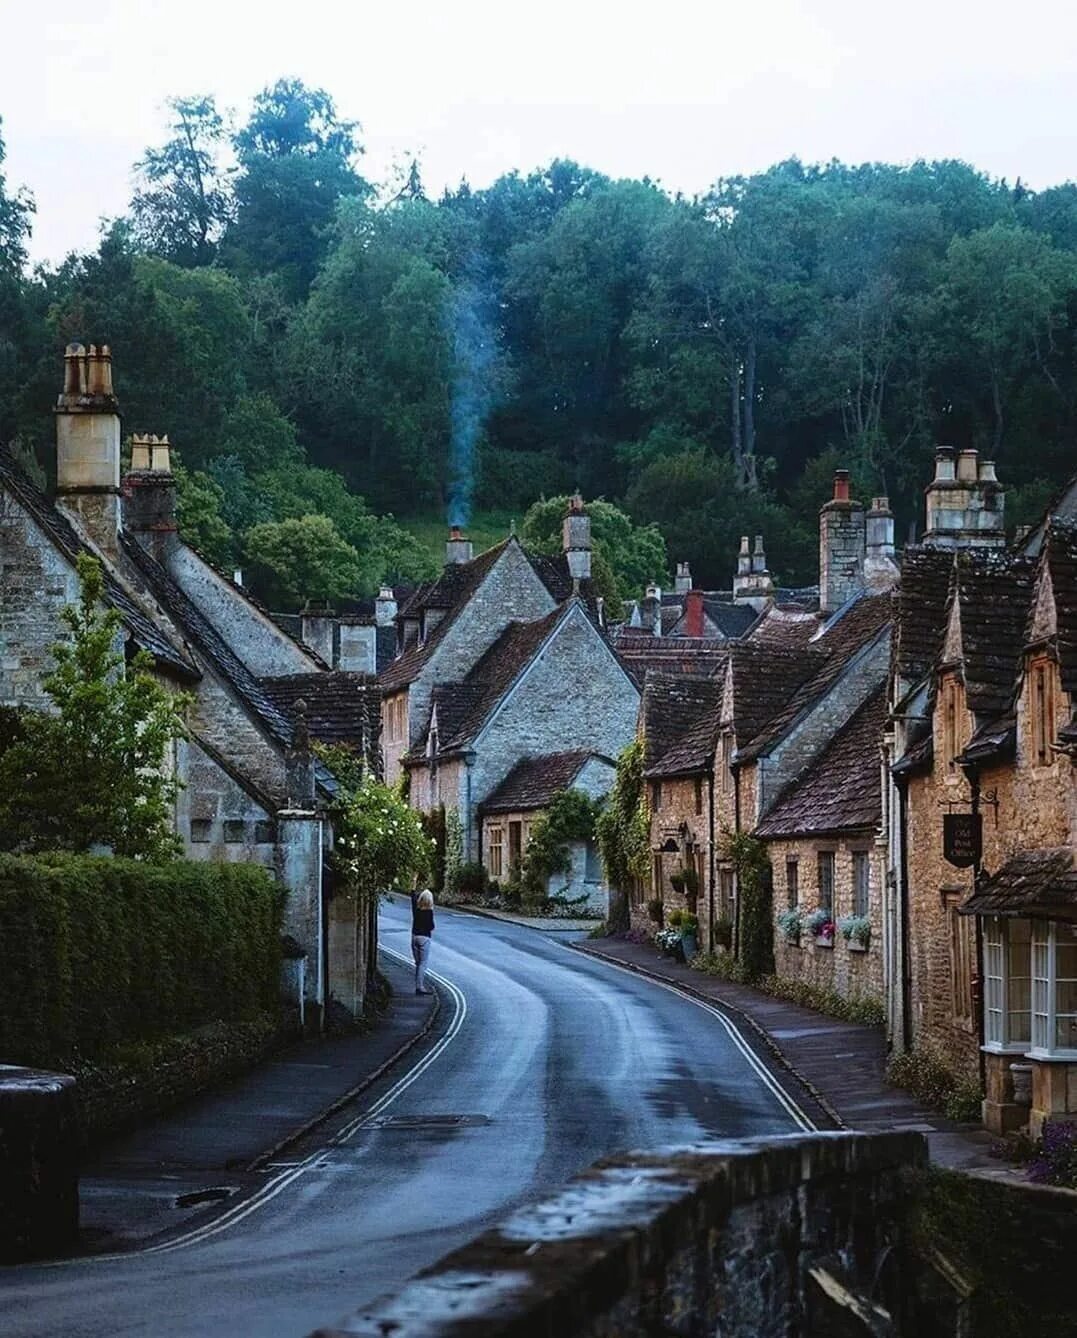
[[543, 1061]]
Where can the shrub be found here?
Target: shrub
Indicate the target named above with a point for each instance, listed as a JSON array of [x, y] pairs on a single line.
[[1055, 1162], [674, 918], [721, 964], [655, 909], [723, 933], [923, 1073], [755, 944], [864, 1008], [470, 880], [105, 951]]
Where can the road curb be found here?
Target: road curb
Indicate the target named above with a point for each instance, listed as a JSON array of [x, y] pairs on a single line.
[[360, 1087], [505, 920], [761, 1032]]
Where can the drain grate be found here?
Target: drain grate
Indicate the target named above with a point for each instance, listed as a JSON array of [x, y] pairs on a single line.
[[428, 1123]]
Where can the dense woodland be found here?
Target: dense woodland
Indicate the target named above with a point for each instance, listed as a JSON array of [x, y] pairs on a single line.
[[328, 353]]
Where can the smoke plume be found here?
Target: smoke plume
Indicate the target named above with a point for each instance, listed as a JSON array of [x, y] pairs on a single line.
[[474, 343]]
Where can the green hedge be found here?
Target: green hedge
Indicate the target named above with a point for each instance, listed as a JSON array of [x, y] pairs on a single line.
[[100, 952]]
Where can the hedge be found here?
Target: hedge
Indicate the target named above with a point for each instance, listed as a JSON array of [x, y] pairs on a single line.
[[98, 952]]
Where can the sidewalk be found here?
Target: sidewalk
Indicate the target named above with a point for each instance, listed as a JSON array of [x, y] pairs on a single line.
[[174, 1170], [552, 924], [842, 1063]]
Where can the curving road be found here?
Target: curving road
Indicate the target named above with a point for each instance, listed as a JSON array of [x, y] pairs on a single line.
[[543, 1061]]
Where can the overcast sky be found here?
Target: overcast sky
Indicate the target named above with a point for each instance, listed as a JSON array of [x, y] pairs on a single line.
[[682, 92]]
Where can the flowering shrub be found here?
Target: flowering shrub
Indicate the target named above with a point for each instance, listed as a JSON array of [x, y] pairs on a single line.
[[789, 923], [820, 923], [668, 940], [855, 929], [1055, 1162], [380, 842]]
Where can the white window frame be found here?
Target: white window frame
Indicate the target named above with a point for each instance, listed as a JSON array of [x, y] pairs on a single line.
[[1045, 982], [997, 975], [495, 851], [860, 860]]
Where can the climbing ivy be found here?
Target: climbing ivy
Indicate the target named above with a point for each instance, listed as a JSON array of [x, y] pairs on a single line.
[[454, 848], [571, 816], [623, 831], [755, 947]]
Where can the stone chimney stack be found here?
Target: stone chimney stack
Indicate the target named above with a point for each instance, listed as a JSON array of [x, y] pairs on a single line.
[[693, 613], [752, 583], [880, 569], [651, 611], [965, 502], [149, 496], [842, 543], [458, 547], [316, 624], [683, 581], [576, 539], [88, 445], [385, 607]]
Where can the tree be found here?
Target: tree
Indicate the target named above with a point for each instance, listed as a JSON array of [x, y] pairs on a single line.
[[183, 204], [299, 559], [93, 773], [633, 555]]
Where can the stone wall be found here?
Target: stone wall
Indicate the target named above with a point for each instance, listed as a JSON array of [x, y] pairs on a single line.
[[757, 1239], [680, 797], [841, 966]]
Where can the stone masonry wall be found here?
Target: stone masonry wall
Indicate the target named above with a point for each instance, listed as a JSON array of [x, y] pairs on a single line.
[[678, 805], [756, 1239], [842, 967]]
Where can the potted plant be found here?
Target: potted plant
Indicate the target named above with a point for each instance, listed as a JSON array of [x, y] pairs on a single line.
[[668, 941], [676, 880], [856, 931], [820, 924], [789, 923], [689, 936]]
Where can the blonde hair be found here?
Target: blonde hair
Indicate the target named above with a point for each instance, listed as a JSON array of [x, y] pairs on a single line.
[[425, 900]]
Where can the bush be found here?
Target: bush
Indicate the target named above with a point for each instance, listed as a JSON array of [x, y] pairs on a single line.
[[864, 1008], [470, 880], [655, 910], [102, 952], [930, 1079], [1055, 1162]]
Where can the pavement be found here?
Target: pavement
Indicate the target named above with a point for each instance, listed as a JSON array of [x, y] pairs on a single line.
[[541, 1061], [841, 1063]]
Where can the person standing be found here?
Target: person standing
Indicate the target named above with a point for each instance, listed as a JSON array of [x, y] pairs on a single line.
[[422, 928]]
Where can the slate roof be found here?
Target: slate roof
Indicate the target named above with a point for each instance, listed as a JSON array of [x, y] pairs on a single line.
[[1061, 559], [994, 589], [66, 539], [848, 631], [917, 755], [1034, 882], [920, 627], [764, 680], [784, 626], [342, 708], [535, 781], [841, 790], [700, 657], [680, 717]]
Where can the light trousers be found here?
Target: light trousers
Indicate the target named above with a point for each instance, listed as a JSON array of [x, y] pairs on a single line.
[[420, 950]]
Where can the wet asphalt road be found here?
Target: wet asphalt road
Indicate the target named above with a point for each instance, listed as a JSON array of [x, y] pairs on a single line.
[[543, 1060]]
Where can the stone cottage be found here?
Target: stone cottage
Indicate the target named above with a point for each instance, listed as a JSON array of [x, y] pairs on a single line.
[[251, 789], [503, 659]]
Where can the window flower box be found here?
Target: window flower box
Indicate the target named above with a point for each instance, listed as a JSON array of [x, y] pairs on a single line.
[[790, 924], [820, 924], [856, 931]]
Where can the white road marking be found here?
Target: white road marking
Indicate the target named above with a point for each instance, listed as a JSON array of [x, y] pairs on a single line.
[[769, 1081]]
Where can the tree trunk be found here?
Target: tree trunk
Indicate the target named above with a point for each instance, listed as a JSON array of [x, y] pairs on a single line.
[[747, 478], [734, 415], [996, 400]]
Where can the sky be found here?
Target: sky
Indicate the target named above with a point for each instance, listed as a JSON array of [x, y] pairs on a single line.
[[677, 91]]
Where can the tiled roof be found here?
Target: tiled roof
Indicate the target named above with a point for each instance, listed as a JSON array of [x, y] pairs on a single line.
[[1061, 559], [785, 626], [535, 781], [1034, 882], [764, 680], [994, 588], [342, 708], [699, 657], [680, 723], [63, 534], [841, 790], [917, 755], [920, 627]]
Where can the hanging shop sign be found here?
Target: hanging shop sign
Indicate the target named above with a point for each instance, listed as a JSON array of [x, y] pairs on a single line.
[[962, 839]]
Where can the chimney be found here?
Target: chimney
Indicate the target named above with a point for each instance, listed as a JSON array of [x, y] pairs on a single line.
[[652, 609], [385, 607], [683, 581], [88, 445], [964, 502], [693, 613], [842, 543], [358, 647], [299, 763], [316, 625], [149, 497], [458, 548], [880, 569], [752, 583], [576, 539]]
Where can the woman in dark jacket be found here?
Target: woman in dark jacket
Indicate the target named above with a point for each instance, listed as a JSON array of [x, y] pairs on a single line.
[[422, 928]]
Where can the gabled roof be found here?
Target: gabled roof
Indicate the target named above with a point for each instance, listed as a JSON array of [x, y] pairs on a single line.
[[64, 536], [764, 680], [680, 716], [1034, 882], [640, 653], [841, 790], [535, 781], [1060, 558], [785, 625], [993, 589], [920, 626]]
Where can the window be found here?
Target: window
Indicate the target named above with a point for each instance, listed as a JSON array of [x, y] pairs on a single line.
[[826, 880], [656, 796], [233, 831], [1054, 988], [792, 883], [727, 762], [699, 794], [516, 836], [592, 872], [861, 882], [656, 876], [951, 733], [1007, 956], [495, 862], [1042, 713], [725, 894], [200, 830], [960, 962], [265, 833]]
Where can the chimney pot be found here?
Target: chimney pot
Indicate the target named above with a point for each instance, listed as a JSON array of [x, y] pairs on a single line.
[[140, 452], [987, 472], [967, 471], [458, 548], [841, 485], [945, 469]]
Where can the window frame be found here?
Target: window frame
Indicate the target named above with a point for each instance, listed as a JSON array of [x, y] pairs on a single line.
[[860, 860], [826, 859], [1045, 989], [962, 966], [495, 846], [998, 976], [792, 882]]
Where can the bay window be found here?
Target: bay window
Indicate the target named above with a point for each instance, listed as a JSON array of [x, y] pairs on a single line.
[[1054, 990], [1007, 983]]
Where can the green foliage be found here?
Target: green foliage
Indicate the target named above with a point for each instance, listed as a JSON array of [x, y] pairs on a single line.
[[864, 1008], [570, 817], [632, 554], [755, 948], [623, 828], [379, 841], [94, 772], [303, 558], [469, 881], [114, 951], [434, 827], [929, 1078]]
